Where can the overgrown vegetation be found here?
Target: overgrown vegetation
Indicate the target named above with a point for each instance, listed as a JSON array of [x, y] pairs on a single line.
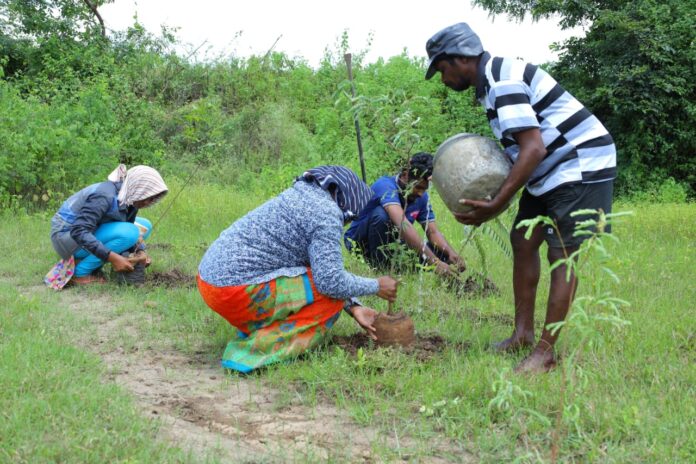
[[74, 102], [634, 69]]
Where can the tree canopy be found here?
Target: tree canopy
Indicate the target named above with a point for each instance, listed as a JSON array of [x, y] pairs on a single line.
[[75, 99], [634, 68]]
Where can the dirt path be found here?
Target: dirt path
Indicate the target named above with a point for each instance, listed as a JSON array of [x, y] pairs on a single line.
[[213, 415]]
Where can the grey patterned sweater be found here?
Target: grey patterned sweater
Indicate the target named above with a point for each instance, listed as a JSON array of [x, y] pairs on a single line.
[[302, 227]]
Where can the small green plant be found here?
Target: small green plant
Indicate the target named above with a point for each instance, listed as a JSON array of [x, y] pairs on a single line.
[[494, 231], [511, 400], [592, 317], [445, 410], [360, 359], [390, 122], [401, 258]]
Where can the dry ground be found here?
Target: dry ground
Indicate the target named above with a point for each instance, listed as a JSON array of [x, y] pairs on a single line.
[[216, 415]]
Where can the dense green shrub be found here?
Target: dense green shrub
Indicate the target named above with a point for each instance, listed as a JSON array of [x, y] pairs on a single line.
[[74, 103], [48, 149], [635, 69]]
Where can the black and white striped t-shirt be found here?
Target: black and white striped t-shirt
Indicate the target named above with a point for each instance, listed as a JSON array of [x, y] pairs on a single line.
[[519, 96]]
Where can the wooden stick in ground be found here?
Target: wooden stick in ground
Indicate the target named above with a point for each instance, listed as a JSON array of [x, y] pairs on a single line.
[[390, 304], [349, 60]]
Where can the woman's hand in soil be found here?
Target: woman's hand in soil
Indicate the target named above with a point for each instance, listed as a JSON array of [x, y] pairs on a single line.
[[387, 288], [366, 318], [119, 263]]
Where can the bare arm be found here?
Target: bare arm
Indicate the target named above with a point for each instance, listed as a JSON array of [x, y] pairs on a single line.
[[435, 236], [432, 232], [326, 259], [408, 233]]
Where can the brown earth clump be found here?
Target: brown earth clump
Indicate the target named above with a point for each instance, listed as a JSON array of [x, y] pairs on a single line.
[[394, 330], [424, 347], [171, 279], [476, 286]]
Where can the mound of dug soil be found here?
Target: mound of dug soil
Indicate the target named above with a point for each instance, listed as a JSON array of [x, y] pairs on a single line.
[[424, 347], [475, 286], [170, 279]]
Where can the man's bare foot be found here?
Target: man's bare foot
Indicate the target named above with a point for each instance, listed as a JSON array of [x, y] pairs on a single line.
[[539, 361], [515, 343]]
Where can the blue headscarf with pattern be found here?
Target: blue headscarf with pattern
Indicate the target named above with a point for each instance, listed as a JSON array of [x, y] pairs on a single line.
[[350, 193]]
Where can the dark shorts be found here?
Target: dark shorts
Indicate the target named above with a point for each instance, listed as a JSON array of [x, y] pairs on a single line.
[[559, 203]]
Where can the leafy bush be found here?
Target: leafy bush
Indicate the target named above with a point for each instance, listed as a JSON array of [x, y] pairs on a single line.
[[668, 191], [634, 69], [74, 103], [47, 149]]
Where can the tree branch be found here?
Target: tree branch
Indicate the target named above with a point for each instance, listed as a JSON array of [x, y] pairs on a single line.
[[96, 13]]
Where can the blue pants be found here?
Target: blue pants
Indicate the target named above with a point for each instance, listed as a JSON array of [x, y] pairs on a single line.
[[117, 237], [375, 233]]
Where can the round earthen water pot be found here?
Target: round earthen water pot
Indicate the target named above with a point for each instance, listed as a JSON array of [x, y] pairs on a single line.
[[468, 166]]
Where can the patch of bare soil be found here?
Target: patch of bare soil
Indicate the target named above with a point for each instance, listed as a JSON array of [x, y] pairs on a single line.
[[169, 246], [174, 278], [233, 418], [424, 348], [159, 246], [474, 286], [477, 316]]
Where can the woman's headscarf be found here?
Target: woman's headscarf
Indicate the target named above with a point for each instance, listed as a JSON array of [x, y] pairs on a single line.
[[138, 183], [351, 194]]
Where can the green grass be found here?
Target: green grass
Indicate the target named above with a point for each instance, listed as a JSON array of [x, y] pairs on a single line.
[[637, 400], [54, 404]]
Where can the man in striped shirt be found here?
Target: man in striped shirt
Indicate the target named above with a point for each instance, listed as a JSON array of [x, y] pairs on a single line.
[[562, 155]]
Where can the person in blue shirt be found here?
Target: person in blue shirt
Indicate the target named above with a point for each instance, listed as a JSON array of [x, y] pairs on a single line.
[[397, 203]]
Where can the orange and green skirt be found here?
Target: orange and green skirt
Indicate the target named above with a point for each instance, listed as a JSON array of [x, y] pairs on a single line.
[[276, 321]]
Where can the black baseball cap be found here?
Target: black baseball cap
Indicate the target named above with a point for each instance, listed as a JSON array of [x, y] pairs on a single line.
[[457, 39]]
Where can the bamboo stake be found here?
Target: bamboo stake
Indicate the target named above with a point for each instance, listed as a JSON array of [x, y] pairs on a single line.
[[348, 58]]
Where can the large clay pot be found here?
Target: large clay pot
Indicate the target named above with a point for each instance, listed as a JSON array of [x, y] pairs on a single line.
[[468, 166], [394, 330]]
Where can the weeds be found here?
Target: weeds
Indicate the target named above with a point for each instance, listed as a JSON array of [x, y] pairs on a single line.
[[591, 319], [633, 399]]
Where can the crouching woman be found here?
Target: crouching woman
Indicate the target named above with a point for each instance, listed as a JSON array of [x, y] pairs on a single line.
[[277, 273], [98, 223]]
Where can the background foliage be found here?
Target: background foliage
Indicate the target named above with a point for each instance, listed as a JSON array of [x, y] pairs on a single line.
[[634, 69], [74, 101]]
